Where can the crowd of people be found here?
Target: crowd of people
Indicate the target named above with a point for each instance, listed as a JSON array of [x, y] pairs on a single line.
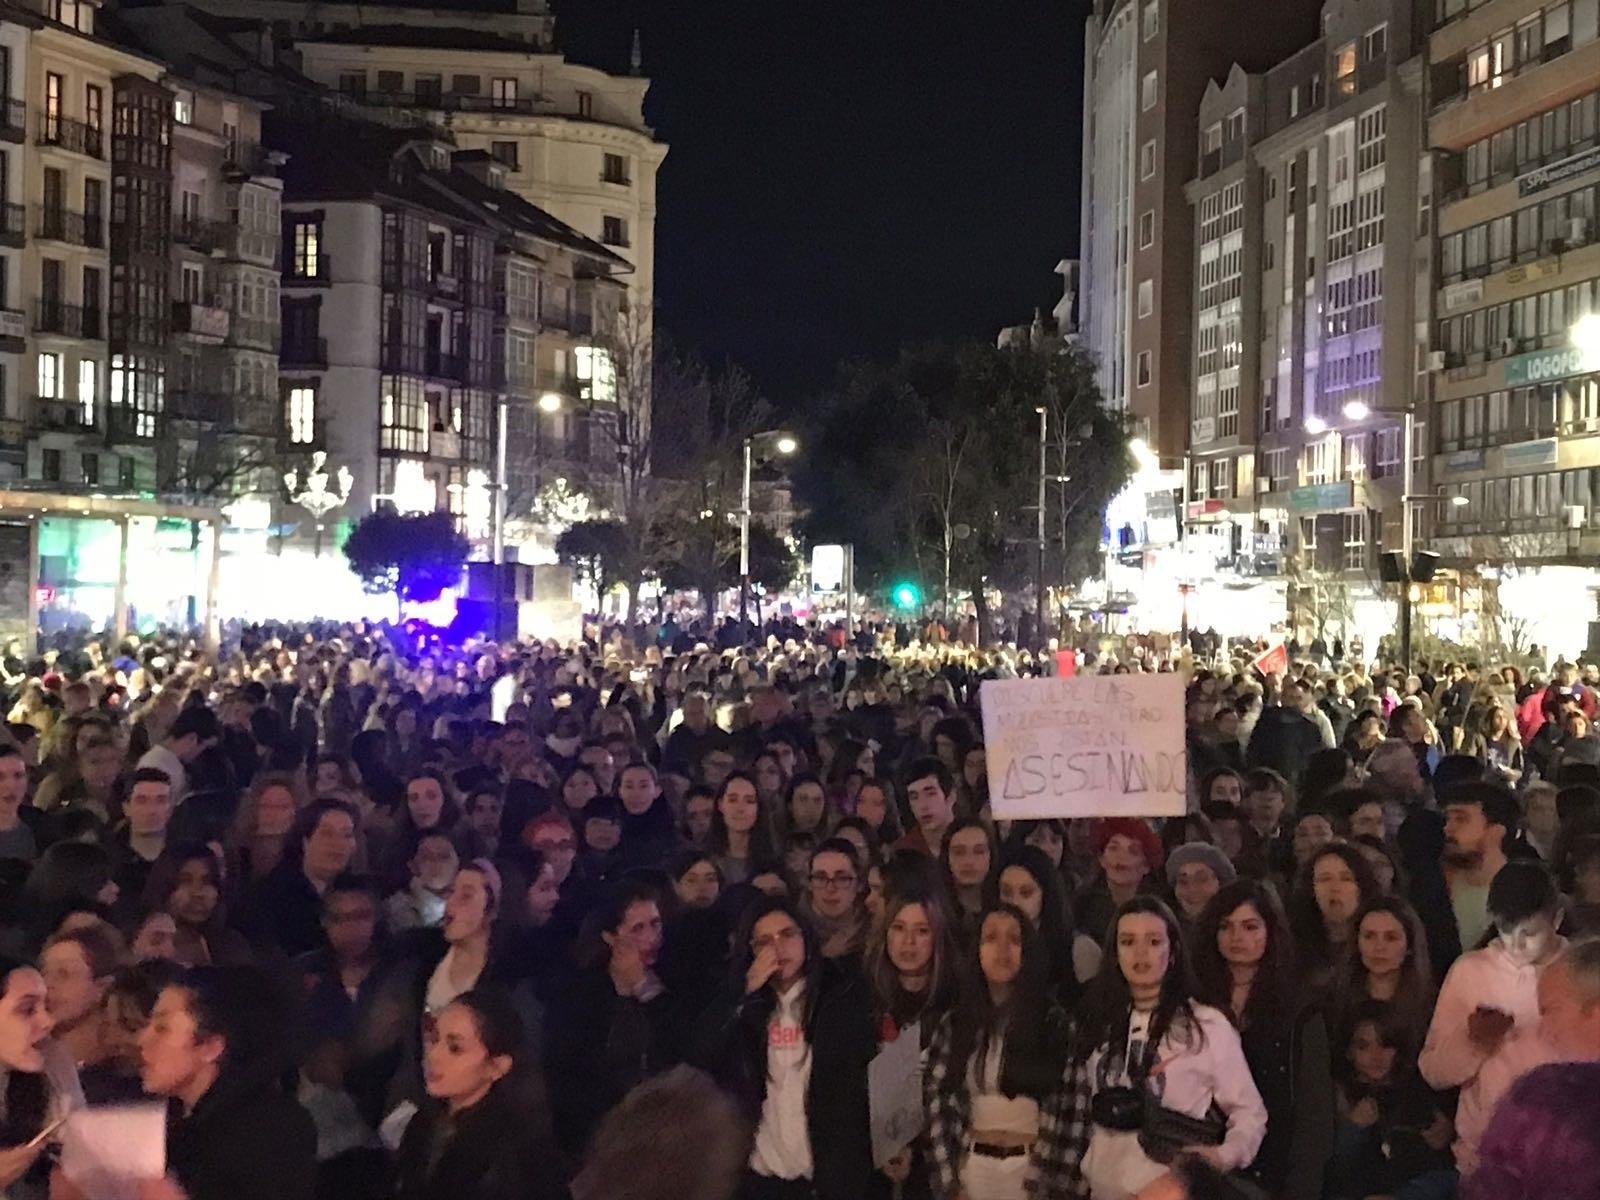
[[378, 917]]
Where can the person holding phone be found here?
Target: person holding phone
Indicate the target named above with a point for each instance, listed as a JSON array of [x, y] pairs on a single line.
[[40, 1082], [1485, 1028]]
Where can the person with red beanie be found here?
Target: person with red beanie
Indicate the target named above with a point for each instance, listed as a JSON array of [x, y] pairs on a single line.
[[1127, 851]]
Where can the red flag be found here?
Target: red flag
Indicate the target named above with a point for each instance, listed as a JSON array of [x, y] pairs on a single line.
[[1066, 664], [1274, 661]]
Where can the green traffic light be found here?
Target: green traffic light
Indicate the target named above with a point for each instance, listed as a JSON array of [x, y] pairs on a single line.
[[907, 595]]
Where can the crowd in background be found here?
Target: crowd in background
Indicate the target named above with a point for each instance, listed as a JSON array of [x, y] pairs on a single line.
[[378, 917]]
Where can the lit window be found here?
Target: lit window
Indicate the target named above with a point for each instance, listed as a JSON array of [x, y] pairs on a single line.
[[1147, 297], [597, 372], [300, 415], [183, 107], [307, 249], [50, 376]]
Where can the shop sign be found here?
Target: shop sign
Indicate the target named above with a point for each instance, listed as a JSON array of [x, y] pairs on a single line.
[[1558, 172], [1543, 366], [1542, 453], [1320, 497]]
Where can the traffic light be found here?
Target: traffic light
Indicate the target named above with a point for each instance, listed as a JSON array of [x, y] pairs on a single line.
[[906, 595]]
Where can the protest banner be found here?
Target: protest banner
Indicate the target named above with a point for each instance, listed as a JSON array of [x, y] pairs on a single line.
[[1274, 662], [894, 1095], [1090, 746]]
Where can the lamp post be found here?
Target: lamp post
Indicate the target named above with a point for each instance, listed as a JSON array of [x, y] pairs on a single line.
[[783, 443], [1044, 425], [318, 499]]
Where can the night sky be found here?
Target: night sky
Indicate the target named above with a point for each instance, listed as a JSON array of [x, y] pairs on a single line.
[[846, 177]]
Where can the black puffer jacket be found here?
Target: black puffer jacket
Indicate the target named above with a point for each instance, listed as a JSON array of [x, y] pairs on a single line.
[[246, 1140]]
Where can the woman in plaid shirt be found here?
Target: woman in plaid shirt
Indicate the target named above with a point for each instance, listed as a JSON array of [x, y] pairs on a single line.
[[1001, 1124]]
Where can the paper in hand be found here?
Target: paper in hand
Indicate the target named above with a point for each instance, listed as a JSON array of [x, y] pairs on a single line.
[[107, 1151]]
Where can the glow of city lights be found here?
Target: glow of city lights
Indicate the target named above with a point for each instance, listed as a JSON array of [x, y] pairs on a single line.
[[1586, 336], [1357, 410], [1143, 455], [1316, 425], [787, 444], [550, 402], [1459, 502]]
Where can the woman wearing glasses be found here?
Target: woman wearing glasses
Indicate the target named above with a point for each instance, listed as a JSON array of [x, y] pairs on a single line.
[[792, 1043], [836, 897]]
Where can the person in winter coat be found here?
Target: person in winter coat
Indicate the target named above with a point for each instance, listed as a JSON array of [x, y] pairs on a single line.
[[482, 1136], [1284, 737], [232, 1132], [792, 1043]]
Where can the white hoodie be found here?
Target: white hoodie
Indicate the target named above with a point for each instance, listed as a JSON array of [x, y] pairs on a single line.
[[1449, 1059]]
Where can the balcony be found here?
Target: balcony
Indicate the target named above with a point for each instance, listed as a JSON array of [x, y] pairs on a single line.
[[134, 424], [401, 359], [68, 320], [200, 234], [13, 121], [447, 287], [304, 352], [63, 416], [205, 321], [248, 158], [13, 225], [13, 328], [253, 333], [444, 443], [440, 365], [441, 102], [74, 228], [67, 134], [248, 415]]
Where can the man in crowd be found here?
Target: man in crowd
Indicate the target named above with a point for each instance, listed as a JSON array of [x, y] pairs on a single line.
[[931, 793], [147, 813], [1478, 819], [16, 839], [193, 731]]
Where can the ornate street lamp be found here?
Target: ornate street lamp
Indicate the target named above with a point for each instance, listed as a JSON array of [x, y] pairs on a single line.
[[318, 498]]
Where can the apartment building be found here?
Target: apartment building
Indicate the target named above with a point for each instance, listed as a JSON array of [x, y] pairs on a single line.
[[15, 383], [1146, 66], [95, 394], [388, 360], [223, 270], [1516, 425]]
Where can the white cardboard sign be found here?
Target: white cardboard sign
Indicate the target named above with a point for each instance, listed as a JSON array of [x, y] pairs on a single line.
[[1090, 746]]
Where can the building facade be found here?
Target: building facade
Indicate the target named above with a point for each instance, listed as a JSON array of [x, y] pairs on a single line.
[[1514, 87], [1312, 268]]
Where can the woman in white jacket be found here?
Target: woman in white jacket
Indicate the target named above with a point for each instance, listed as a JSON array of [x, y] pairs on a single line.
[[1146, 1045]]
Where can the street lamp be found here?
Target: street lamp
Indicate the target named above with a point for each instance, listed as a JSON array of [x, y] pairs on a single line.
[[318, 498], [1316, 426], [550, 402], [783, 443]]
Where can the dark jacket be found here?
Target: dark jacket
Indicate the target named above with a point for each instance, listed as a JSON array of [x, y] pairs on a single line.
[[1291, 1068], [245, 1140], [731, 1044], [284, 912], [1283, 740], [601, 1046], [487, 1152]]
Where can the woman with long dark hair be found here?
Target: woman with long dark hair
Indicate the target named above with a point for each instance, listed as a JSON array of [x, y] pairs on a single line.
[[792, 1043], [1027, 881], [1244, 966], [1141, 1012], [995, 1066], [482, 1135], [971, 860], [1389, 963], [40, 1083], [186, 881], [1330, 889], [741, 833]]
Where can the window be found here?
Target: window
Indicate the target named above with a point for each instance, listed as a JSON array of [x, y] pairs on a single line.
[[300, 415], [1233, 129], [307, 262], [1142, 369], [1344, 69], [193, 284], [614, 169], [88, 387], [50, 465], [1147, 297], [586, 104], [54, 84], [1147, 159], [94, 106], [50, 382], [1355, 540], [1147, 228], [466, 85], [91, 469], [1377, 43], [353, 83], [1152, 19], [614, 231], [183, 107], [503, 93], [595, 368], [391, 83], [505, 152], [1211, 139], [1148, 90], [427, 89], [1269, 256]]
